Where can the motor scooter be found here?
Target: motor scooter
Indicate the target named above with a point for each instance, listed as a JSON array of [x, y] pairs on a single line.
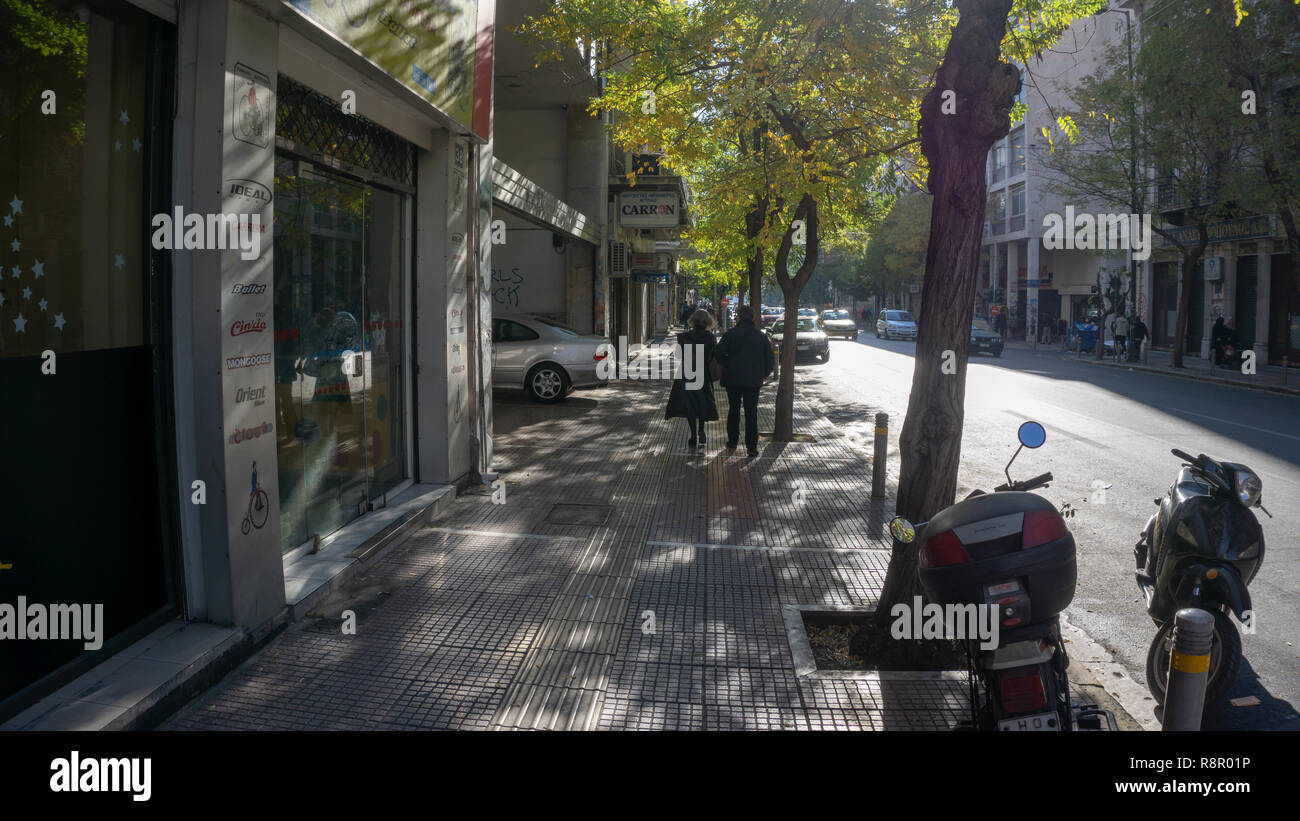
[[1009, 551], [1201, 549]]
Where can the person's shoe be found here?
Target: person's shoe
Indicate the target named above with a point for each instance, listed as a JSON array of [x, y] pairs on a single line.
[[753, 454], [731, 446], [703, 439], [690, 443]]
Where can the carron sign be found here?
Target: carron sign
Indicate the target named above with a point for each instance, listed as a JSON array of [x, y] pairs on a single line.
[[648, 209]]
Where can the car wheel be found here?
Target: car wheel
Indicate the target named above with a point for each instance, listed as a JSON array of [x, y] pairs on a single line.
[[998, 353], [547, 383], [826, 354]]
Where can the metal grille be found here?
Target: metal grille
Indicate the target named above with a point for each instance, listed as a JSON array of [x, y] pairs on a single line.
[[316, 125]]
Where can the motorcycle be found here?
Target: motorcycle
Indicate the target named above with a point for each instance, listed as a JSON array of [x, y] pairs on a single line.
[[1011, 552], [1201, 549]]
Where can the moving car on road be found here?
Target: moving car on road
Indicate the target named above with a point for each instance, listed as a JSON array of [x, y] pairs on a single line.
[[809, 338], [839, 323], [984, 339], [895, 324], [543, 357]]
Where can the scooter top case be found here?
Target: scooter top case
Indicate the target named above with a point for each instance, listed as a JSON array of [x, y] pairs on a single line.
[[1009, 541]]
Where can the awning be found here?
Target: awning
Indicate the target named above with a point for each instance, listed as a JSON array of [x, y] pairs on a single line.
[[521, 196]]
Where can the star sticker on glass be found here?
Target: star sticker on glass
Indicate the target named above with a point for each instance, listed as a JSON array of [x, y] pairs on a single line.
[[38, 269], [15, 245], [20, 324], [119, 261], [124, 117], [43, 304], [9, 220], [27, 293], [2, 299], [17, 271], [136, 144], [16, 205], [59, 321], [117, 145]]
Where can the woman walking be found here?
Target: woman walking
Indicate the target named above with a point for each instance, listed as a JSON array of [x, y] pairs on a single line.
[[692, 395]]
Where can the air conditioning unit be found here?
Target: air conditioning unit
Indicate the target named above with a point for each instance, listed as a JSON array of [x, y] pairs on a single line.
[[1213, 269], [618, 259]]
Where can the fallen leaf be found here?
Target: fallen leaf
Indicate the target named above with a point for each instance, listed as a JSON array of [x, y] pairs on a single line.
[[1244, 701]]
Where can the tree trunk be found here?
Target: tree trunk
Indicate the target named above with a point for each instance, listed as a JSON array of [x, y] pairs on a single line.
[[1190, 270], [783, 429], [957, 147]]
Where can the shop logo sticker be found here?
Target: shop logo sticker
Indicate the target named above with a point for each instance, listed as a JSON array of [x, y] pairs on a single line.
[[255, 395], [247, 361], [251, 190], [245, 290], [250, 112], [247, 434], [240, 327]]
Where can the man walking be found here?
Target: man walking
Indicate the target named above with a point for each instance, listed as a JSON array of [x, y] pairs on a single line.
[[747, 358], [1137, 332], [1119, 329]]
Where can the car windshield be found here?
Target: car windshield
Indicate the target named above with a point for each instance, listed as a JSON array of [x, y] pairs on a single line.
[[564, 329], [804, 325], [836, 315], [898, 316], [980, 325]]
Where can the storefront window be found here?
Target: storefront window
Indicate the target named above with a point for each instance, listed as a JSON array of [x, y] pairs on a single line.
[[339, 354], [81, 495]]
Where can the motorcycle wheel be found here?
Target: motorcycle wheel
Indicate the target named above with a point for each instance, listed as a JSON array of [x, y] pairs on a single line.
[[1225, 661]]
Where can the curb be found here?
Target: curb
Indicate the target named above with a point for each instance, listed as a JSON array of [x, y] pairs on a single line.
[[1284, 390]]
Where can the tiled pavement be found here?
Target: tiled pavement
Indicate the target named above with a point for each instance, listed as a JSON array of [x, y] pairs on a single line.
[[666, 616]]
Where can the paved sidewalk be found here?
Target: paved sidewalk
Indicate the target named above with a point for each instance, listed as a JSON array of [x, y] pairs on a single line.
[[536, 613], [1266, 378]]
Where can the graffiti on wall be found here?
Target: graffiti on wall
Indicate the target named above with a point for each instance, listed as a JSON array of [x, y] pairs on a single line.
[[505, 286]]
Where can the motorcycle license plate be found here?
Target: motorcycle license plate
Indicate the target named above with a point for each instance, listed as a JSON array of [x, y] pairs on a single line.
[[1038, 722], [803, 347]]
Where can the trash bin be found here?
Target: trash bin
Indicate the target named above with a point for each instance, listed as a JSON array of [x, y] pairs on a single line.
[[1087, 335]]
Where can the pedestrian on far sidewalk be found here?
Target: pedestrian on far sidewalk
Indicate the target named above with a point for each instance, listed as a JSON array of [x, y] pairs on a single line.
[[1119, 328], [691, 397], [747, 358], [1137, 332]]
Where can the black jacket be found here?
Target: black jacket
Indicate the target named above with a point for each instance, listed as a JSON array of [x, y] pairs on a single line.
[[746, 355]]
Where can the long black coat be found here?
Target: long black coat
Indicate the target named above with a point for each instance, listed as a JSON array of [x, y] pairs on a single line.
[[698, 403], [746, 355]]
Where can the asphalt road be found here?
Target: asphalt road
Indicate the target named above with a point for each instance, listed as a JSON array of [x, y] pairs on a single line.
[[1107, 426]]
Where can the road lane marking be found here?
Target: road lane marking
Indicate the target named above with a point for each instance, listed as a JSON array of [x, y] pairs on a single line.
[[1238, 424]]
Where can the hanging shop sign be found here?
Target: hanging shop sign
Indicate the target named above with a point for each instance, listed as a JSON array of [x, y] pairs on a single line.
[[434, 49], [1227, 231], [648, 209], [649, 277]]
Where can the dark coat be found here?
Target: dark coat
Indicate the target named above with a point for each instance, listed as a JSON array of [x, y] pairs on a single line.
[[746, 355], [683, 401]]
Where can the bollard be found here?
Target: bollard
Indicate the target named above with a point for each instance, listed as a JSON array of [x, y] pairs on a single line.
[[1189, 666], [880, 457]]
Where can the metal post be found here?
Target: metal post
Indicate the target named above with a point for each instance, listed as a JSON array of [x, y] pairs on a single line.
[[880, 458], [1146, 349], [1284, 364], [1189, 666]]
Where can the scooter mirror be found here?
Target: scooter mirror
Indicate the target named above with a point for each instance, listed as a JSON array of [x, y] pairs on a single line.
[[1032, 435], [902, 530]]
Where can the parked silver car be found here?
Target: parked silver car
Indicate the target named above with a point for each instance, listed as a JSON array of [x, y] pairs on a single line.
[[543, 357], [809, 337], [895, 324]]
